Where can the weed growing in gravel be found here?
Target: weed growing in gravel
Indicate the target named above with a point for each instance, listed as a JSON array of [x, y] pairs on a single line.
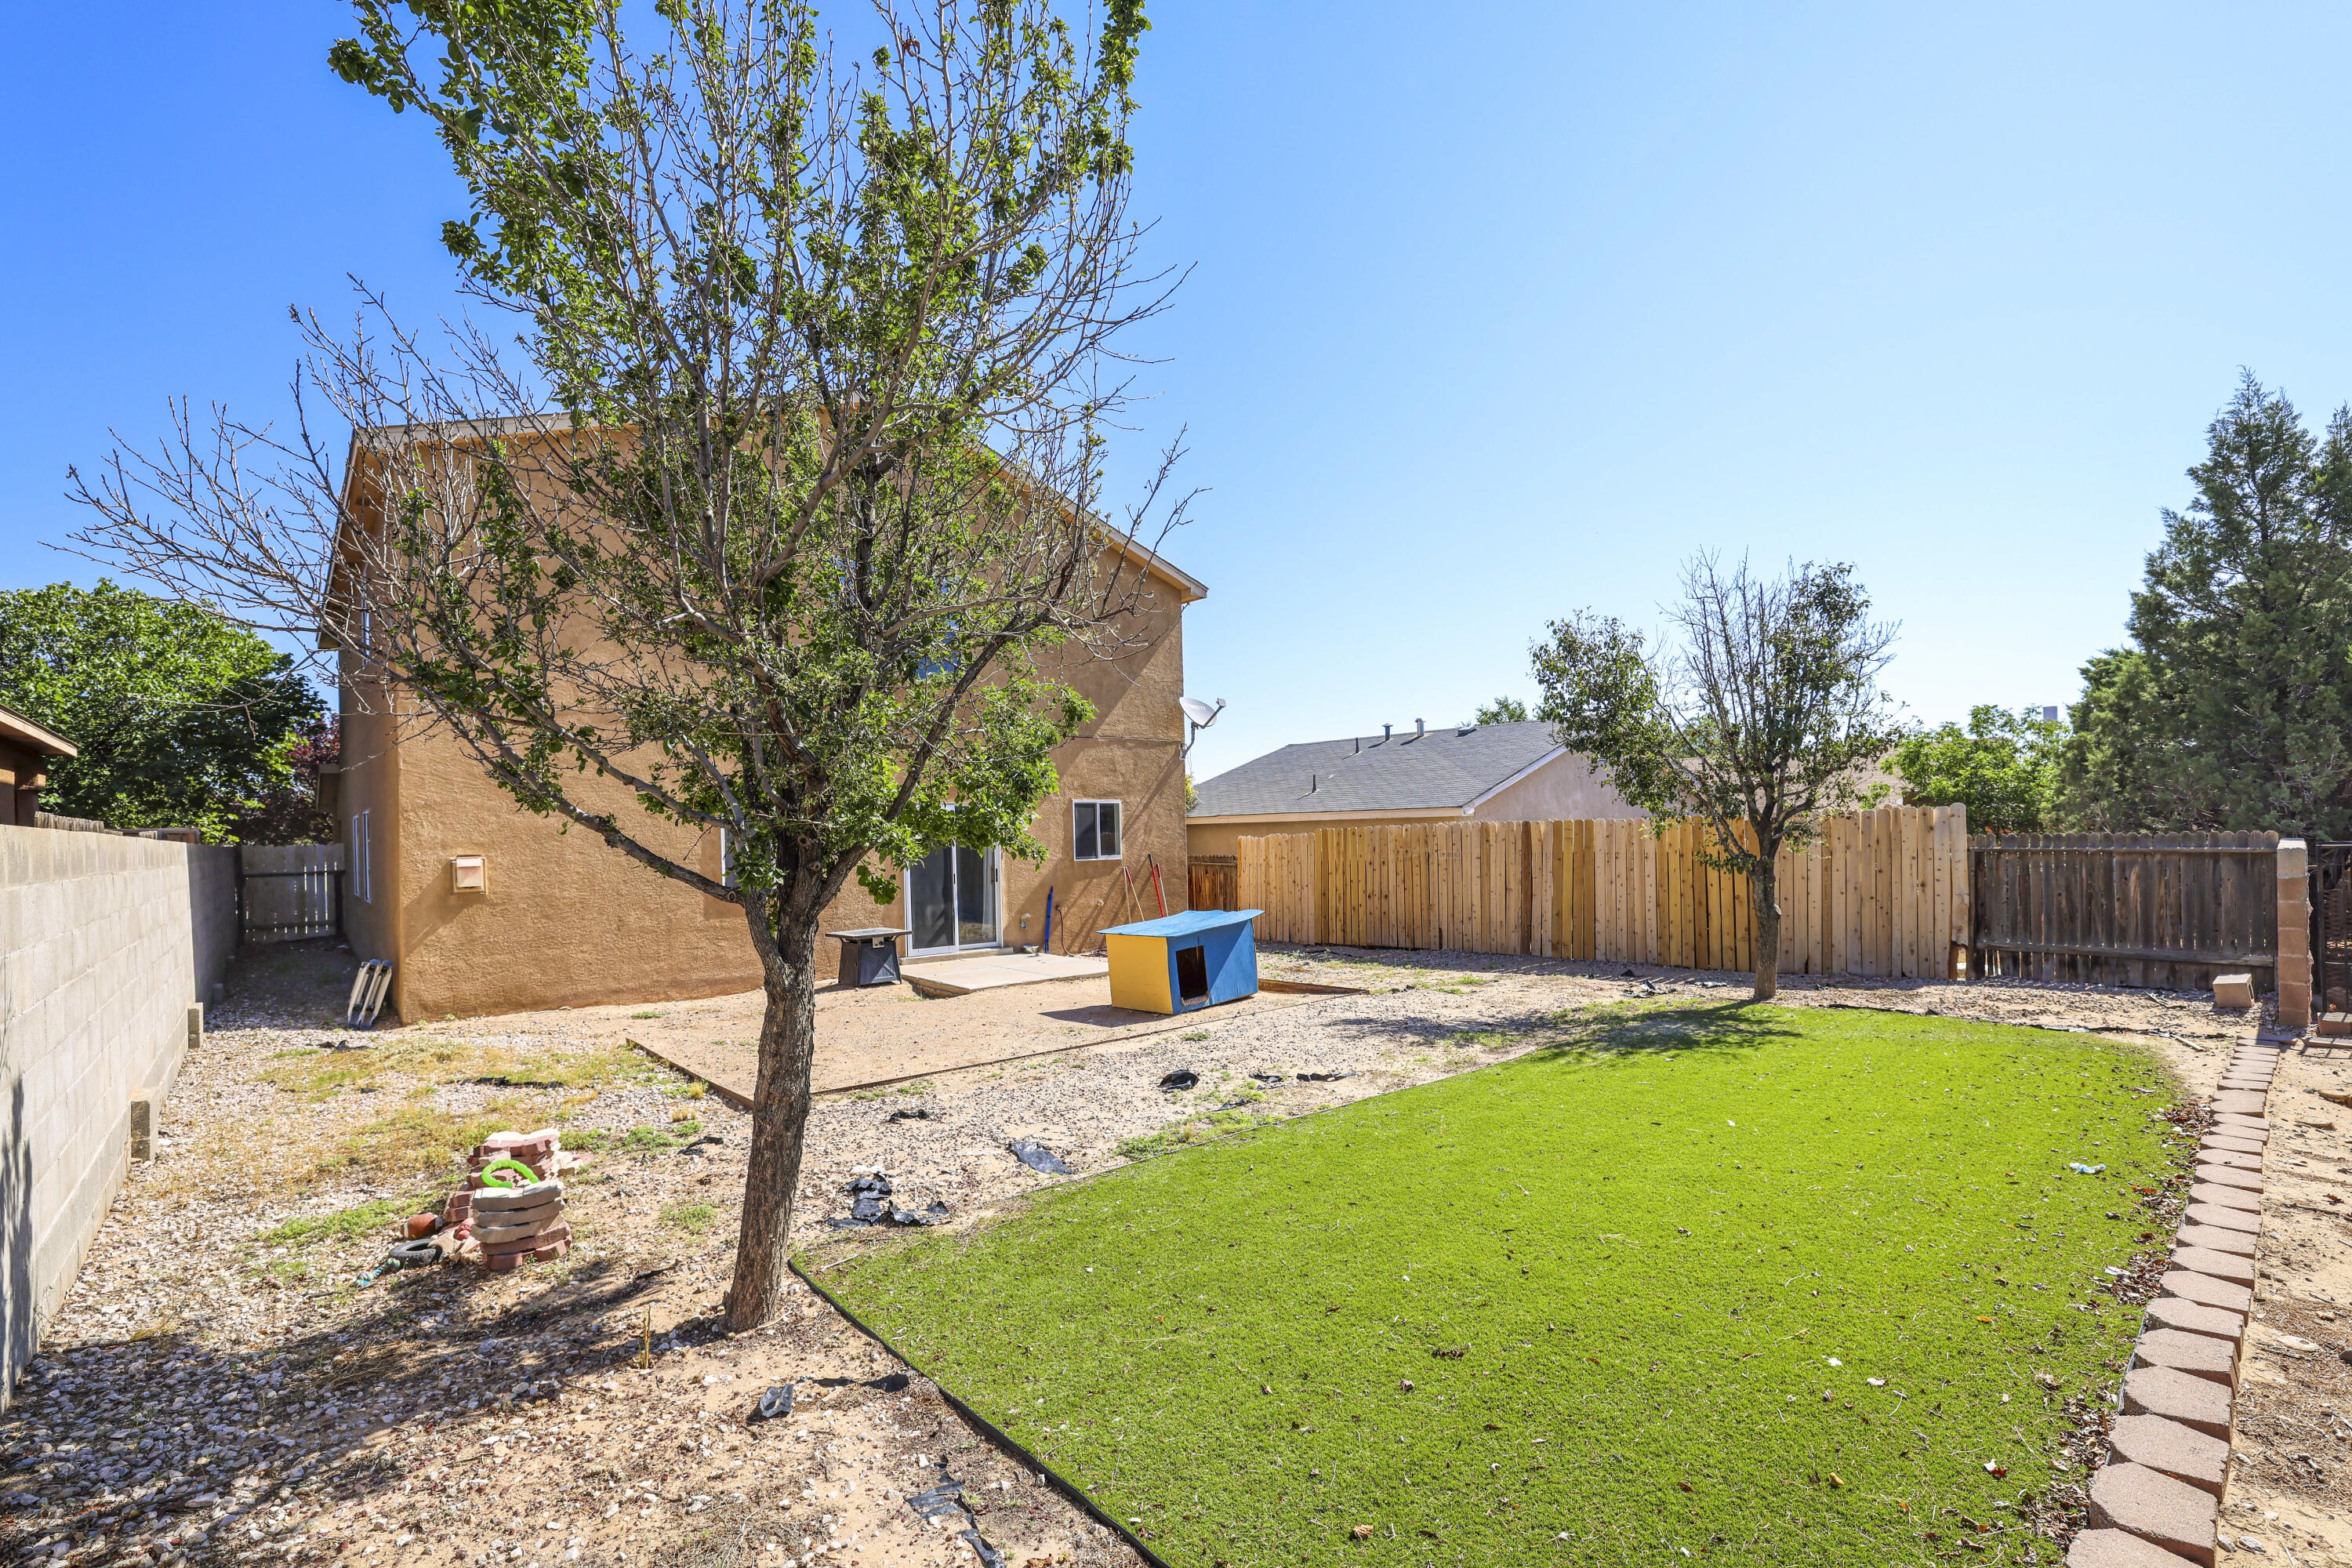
[[318, 1073], [1199, 1129], [419, 1140], [635, 1141], [693, 1217], [648, 1015], [1195, 1035], [346, 1224]]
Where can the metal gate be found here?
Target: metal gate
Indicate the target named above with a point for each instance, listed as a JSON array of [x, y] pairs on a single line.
[[290, 892], [2331, 927]]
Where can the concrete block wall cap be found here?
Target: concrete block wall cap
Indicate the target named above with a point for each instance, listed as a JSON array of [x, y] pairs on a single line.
[[2192, 1401], [2116, 1549], [2208, 1291], [2245, 1080], [2220, 1265], [2199, 1355], [2230, 1158], [2231, 1218], [2191, 1317], [2243, 1124], [2226, 1177], [2244, 1102], [2167, 1446], [2217, 1238], [2156, 1507]]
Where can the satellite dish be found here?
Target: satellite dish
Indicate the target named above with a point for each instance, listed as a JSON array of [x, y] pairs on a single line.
[[1202, 714]]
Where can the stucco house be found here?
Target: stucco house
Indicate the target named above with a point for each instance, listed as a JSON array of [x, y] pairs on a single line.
[[483, 907], [1494, 772]]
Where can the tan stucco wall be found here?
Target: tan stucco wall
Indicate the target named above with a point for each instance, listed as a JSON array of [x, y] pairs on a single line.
[[1563, 791], [568, 922]]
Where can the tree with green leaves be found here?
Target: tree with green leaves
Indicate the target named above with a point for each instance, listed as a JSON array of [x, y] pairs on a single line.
[[2233, 708], [1502, 710], [182, 719], [2003, 765], [1764, 720], [782, 524]]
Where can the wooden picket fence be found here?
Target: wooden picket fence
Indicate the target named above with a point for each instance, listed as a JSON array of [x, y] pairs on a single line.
[[1882, 892]]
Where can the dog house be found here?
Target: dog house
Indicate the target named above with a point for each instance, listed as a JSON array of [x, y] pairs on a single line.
[[1178, 963]]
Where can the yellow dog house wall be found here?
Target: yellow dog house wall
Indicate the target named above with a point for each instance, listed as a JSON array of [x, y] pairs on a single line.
[[1179, 962]]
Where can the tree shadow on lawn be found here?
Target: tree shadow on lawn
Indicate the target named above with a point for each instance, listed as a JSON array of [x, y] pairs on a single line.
[[1607, 1029]]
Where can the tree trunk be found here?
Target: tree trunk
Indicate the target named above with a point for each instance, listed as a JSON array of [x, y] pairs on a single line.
[[1766, 886], [780, 1108]]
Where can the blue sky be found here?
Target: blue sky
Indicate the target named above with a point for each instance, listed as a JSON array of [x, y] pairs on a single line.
[[1497, 312]]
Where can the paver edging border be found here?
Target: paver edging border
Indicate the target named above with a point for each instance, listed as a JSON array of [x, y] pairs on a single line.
[[2252, 1060]]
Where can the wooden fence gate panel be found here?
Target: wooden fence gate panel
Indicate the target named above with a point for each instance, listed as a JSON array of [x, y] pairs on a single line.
[[290, 892], [1210, 883], [1883, 893], [2167, 911]]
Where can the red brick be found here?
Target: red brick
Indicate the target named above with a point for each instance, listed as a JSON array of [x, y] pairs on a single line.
[[2220, 1265], [2216, 1238], [2189, 1317], [2199, 1355], [2116, 1548], [2223, 1175], [2206, 1290], [2156, 1507], [2182, 1452], [2225, 1197]]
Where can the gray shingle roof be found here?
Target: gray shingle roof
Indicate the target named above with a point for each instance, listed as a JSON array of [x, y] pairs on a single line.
[[1443, 769]]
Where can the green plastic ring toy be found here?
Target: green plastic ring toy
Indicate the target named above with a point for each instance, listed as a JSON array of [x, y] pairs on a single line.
[[498, 1168]]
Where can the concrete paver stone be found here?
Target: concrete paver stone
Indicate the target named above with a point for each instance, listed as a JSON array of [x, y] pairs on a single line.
[[2225, 1197], [2229, 1218], [2192, 1316], [2180, 1396], [2199, 1355], [2208, 1291], [2226, 1143], [2251, 1181], [2116, 1549], [2245, 1102], [2156, 1507], [2220, 1265], [2217, 1238], [2182, 1452]]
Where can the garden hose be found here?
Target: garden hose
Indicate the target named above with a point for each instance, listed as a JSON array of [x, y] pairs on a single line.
[[494, 1174]]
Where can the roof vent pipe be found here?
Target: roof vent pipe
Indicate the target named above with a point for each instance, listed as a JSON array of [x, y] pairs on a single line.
[[1387, 730], [1314, 782], [1360, 742], [1419, 729]]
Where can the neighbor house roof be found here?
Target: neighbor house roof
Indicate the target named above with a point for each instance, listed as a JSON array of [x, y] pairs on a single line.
[[16, 726], [1449, 769]]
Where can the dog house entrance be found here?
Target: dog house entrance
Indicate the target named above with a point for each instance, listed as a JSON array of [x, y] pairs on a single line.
[[1193, 976]]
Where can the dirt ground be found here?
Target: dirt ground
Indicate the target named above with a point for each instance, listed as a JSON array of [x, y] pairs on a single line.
[[221, 1386]]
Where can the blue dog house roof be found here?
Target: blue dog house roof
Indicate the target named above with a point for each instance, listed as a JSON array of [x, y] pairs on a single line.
[[1191, 922]]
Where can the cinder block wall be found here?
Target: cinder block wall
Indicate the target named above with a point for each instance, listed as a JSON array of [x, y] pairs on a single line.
[[104, 941]]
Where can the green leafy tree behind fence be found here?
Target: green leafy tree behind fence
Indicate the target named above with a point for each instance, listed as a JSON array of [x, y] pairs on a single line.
[[2003, 765], [182, 719]]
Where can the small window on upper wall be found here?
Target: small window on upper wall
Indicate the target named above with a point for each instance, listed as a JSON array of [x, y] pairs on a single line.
[[1095, 829]]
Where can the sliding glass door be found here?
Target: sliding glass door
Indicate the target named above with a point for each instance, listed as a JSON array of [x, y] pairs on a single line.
[[952, 899]]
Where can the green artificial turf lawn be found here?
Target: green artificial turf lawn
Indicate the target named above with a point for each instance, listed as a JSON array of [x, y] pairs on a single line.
[[1609, 1270]]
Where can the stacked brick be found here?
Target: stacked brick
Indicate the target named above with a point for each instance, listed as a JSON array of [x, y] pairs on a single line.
[[2157, 1499], [511, 1223]]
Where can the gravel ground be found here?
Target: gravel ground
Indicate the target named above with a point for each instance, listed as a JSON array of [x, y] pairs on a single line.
[[219, 1387]]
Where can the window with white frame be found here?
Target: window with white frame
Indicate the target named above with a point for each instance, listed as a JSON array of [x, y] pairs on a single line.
[[1094, 829]]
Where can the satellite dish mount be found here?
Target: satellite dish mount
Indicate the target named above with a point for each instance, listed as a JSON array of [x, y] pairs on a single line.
[[1198, 716]]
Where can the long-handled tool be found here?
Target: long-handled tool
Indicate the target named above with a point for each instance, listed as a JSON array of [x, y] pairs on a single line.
[[1047, 945], [1159, 892]]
